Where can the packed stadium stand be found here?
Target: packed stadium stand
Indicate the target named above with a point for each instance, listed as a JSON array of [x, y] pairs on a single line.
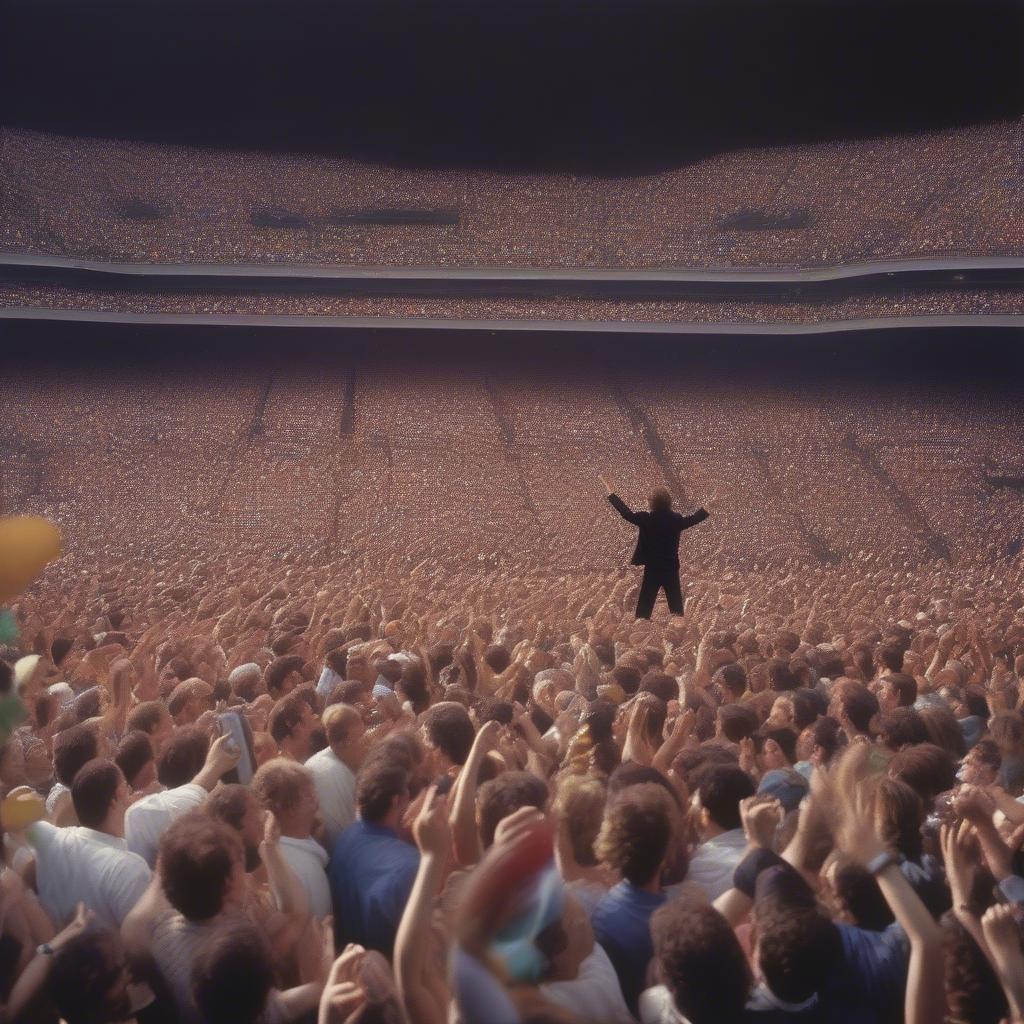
[[952, 192]]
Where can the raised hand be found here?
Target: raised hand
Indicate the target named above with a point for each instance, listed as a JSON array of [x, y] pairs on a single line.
[[760, 818], [1002, 936], [431, 829], [857, 836], [79, 923]]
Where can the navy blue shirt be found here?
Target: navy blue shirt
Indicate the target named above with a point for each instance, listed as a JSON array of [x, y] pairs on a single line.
[[872, 979], [371, 875], [622, 924]]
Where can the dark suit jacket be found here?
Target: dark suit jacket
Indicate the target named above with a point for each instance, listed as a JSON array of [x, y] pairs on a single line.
[[658, 543]]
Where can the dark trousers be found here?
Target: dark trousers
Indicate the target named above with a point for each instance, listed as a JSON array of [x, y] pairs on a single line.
[[653, 581]]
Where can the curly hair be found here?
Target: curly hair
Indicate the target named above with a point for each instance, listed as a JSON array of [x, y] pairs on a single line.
[[580, 805], [198, 856], [701, 962], [279, 783], [639, 827]]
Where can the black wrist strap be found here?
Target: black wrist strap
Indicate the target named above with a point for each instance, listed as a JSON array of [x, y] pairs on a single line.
[[744, 877]]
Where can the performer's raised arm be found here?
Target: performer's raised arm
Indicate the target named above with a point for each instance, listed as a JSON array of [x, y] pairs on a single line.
[[620, 506]]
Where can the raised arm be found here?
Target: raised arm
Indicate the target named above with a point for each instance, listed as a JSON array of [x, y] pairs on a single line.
[[619, 505], [924, 1001], [415, 937], [462, 816]]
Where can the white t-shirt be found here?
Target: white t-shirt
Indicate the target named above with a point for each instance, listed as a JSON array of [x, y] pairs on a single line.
[[79, 864], [594, 994], [176, 942], [146, 819], [308, 859], [335, 791], [714, 863], [658, 1007]]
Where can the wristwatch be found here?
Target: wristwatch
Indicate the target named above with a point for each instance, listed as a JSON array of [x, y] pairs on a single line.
[[883, 861], [45, 950]]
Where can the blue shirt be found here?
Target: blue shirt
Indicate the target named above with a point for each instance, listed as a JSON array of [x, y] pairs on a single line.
[[872, 978], [622, 924], [371, 875]]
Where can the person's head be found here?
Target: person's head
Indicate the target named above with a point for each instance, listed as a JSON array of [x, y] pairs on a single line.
[[731, 681], [232, 975], [283, 675], [889, 656], [897, 690], [245, 681], [826, 739], [73, 748], [736, 722], [659, 500], [500, 797], [152, 718], [182, 757], [189, 700], [796, 947], [640, 827], [853, 895], [235, 805], [448, 735], [135, 759], [981, 764], [1007, 729], [201, 866], [88, 981], [943, 729], [286, 790], [808, 707], [720, 788], [382, 792], [900, 728], [925, 768], [357, 694], [899, 815], [291, 724], [853, 706], [973, 992], [580, 806], [701, 962], [781, 677], [99, 794], [346, 734], [662, 685]]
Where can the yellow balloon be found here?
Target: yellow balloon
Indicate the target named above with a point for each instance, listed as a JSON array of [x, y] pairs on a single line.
[[27, 544]]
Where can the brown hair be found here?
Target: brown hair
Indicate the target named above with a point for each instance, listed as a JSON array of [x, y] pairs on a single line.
[[639, 829], [580, 805], [279, 783], [659, 500]]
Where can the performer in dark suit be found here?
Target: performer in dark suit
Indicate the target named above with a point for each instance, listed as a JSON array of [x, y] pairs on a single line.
[[657, 547]]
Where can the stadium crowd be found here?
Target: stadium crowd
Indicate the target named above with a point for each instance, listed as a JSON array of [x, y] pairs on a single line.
[[337, 708], [491, 796], [950, 192], [906, 302]]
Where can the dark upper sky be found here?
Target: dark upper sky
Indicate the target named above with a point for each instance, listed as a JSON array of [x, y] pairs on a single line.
[[599, 84]]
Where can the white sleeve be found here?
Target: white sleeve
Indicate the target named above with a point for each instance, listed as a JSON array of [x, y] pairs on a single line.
[[41, 834], [126, 884]]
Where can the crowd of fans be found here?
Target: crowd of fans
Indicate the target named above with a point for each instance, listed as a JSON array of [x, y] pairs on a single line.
[[950, 192], [337, 708], [491, 463], [903, 303], [799, 803]]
